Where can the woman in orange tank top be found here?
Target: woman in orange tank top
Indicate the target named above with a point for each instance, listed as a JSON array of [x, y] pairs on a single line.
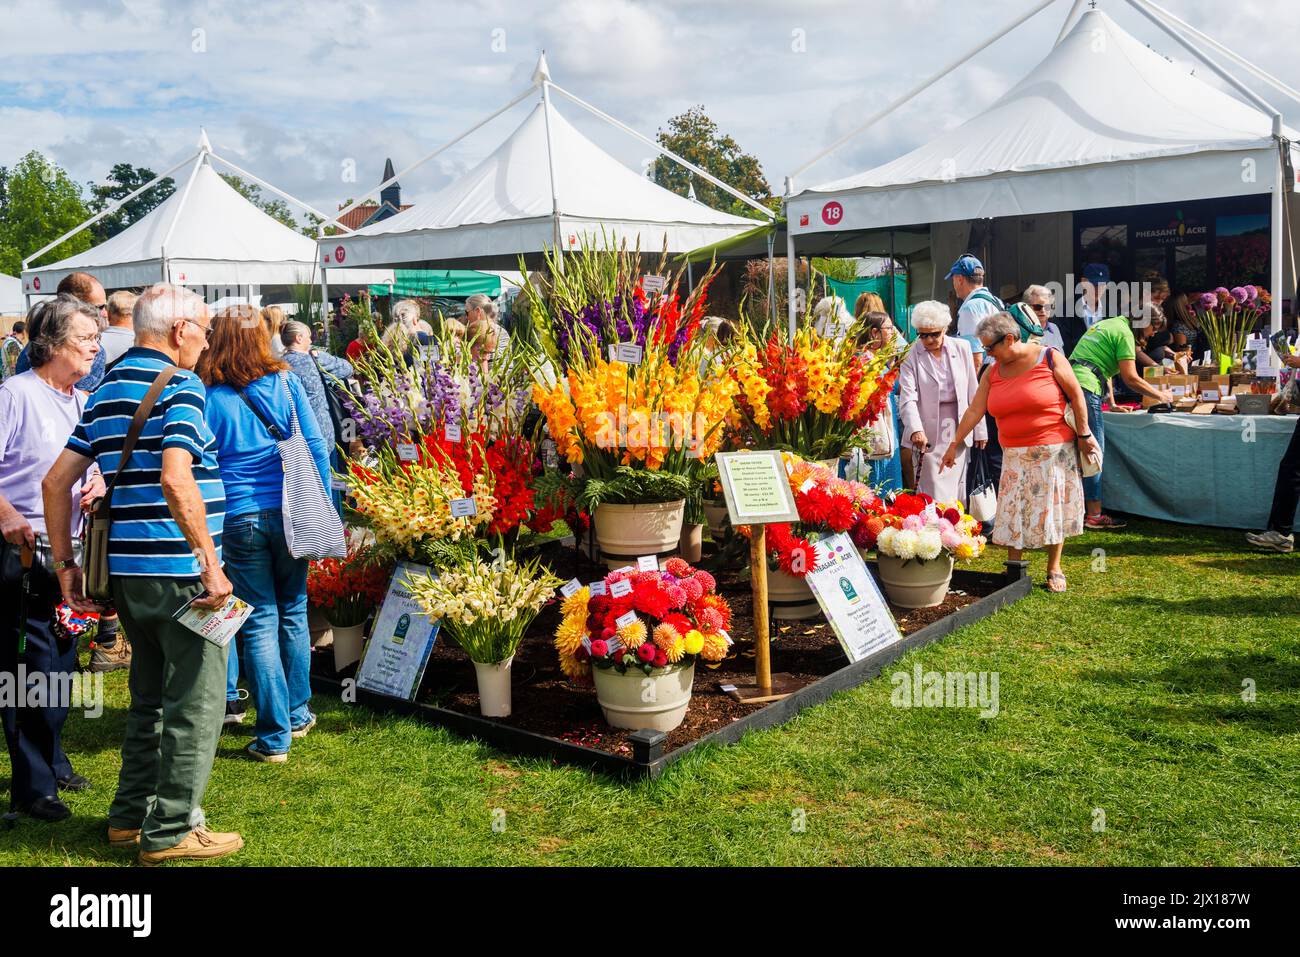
[[1040, 497]]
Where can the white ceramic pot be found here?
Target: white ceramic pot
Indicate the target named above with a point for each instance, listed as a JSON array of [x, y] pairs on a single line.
[[626, 532], [635, 700], [718, 519], [494, 688], [915, 583], [790, 597], [691, 545], [348, 642], [322, 632]]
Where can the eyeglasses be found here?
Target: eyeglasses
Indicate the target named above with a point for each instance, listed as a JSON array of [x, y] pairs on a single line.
[[929, 335], [1040, 307], [193, 322], [86, 340]]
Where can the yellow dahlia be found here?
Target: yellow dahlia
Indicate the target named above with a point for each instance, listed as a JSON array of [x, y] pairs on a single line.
[[714, 648]]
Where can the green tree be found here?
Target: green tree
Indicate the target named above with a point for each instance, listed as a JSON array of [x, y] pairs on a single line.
[[695, 137], [277, 208], [41, 203], [124, 179]]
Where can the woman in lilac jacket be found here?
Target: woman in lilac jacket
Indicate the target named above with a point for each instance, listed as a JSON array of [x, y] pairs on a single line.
[[936, 383]]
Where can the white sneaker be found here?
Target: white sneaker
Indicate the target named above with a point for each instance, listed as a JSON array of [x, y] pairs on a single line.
[[1273, 541]]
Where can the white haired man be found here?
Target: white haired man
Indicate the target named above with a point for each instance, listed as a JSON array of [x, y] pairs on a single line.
[[164, 552]]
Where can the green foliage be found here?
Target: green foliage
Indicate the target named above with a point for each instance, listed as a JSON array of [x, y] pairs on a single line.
[[695, 137], [629, 486], [276, 208], [844, 270], [42, 202], [123, 179]]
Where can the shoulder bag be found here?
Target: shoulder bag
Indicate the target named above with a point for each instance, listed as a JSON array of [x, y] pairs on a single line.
[[312, 527], [94, 550]]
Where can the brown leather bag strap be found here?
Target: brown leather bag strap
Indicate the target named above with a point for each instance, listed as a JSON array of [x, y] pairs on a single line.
[[142, 413]]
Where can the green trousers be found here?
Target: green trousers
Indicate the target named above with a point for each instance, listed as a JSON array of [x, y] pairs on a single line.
[[178, 701]]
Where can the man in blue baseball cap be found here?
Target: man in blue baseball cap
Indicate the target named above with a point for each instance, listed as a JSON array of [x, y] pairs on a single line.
[[967, 275], [1088, 306]]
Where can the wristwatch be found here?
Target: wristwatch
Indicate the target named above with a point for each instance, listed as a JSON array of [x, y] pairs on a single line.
[[1088, 436], [65, 563]]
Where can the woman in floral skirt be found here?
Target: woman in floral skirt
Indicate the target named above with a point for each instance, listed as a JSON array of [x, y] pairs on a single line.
[[1040, 497]]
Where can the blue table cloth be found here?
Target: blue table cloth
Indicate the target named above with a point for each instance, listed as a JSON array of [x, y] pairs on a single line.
[[1215, 470]]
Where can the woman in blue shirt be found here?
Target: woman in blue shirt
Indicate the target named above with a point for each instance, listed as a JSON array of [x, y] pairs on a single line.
[[239, 369]]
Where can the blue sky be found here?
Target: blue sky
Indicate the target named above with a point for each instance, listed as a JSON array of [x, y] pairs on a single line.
[[300, 92]]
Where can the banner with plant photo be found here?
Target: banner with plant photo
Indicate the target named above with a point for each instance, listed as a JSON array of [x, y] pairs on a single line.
[[629, 391]]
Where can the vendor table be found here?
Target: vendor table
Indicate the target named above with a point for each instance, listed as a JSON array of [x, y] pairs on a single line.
[[1199, 469]]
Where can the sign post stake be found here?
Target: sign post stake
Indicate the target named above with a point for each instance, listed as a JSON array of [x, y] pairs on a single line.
[[758, 578]]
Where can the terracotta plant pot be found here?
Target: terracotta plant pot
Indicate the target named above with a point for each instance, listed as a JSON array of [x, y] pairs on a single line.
[[627, 532], [790, 597], [635, 700], [348, 642], [915, 583], [691, 545], [494, 688]]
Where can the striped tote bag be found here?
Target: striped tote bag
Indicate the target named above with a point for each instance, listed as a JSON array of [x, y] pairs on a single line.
[[312, 527]]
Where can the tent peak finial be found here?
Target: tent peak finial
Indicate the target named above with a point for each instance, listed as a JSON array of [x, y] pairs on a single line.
[[204, 145], [543, 72]]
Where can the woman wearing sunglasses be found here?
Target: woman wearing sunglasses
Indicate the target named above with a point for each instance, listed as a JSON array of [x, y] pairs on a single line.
[[936, 384], [1042, 304]]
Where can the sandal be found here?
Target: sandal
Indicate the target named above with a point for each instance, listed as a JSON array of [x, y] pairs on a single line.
[[1056, 582]]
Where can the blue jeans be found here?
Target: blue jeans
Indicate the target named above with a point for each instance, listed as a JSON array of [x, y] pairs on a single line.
[[274, 642], [1092, 483]]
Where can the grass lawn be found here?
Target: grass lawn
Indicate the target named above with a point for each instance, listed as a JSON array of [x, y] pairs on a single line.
[[1122, 698]]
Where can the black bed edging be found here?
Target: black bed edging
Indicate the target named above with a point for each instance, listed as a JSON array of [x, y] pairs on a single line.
[[648, 758]]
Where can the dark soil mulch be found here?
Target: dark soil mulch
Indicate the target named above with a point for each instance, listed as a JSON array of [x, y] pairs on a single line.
[[545, 702]]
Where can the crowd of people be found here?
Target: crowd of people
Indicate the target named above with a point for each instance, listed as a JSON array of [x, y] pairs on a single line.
[[197, 502], [196, 515]]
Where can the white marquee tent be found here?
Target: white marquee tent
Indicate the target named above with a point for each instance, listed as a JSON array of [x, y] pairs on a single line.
[[1102, 121], [545, 185], [204, 235], [11, 296]]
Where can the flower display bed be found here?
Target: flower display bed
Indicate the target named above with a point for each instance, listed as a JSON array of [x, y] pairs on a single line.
[[554, 718]]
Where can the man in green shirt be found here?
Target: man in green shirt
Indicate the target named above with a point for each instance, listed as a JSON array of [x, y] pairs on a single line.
[[1107, 349]]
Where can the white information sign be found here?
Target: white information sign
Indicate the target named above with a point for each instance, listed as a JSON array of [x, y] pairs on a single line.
[[400, 640], [851, 599]]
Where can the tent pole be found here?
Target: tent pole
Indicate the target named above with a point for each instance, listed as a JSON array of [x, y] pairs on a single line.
[[1069, 21], [924, 85], [1277, 277], [424, 159], [278, 192], [771, 277], [550, 169], [749, 200], [326, 325], [185, 194], [893, 306], [108, 210], [1223, 74], [1216, 45], [790, 279]]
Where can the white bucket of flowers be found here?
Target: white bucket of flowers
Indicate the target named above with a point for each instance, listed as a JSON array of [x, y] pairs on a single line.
[[486, 609]]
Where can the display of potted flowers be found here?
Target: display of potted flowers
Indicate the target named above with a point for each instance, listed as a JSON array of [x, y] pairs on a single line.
[[347, 591], [827, 505], [629, 402], [811, 395], [638, 642], [1228, 317], [486, 609], [916, 541]]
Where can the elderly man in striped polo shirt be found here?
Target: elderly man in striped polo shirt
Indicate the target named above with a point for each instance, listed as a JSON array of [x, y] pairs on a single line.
[[164, 551]]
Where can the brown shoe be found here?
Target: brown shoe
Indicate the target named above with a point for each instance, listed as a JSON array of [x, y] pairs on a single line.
[[199, 845], [123, 836], [110, 659]]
